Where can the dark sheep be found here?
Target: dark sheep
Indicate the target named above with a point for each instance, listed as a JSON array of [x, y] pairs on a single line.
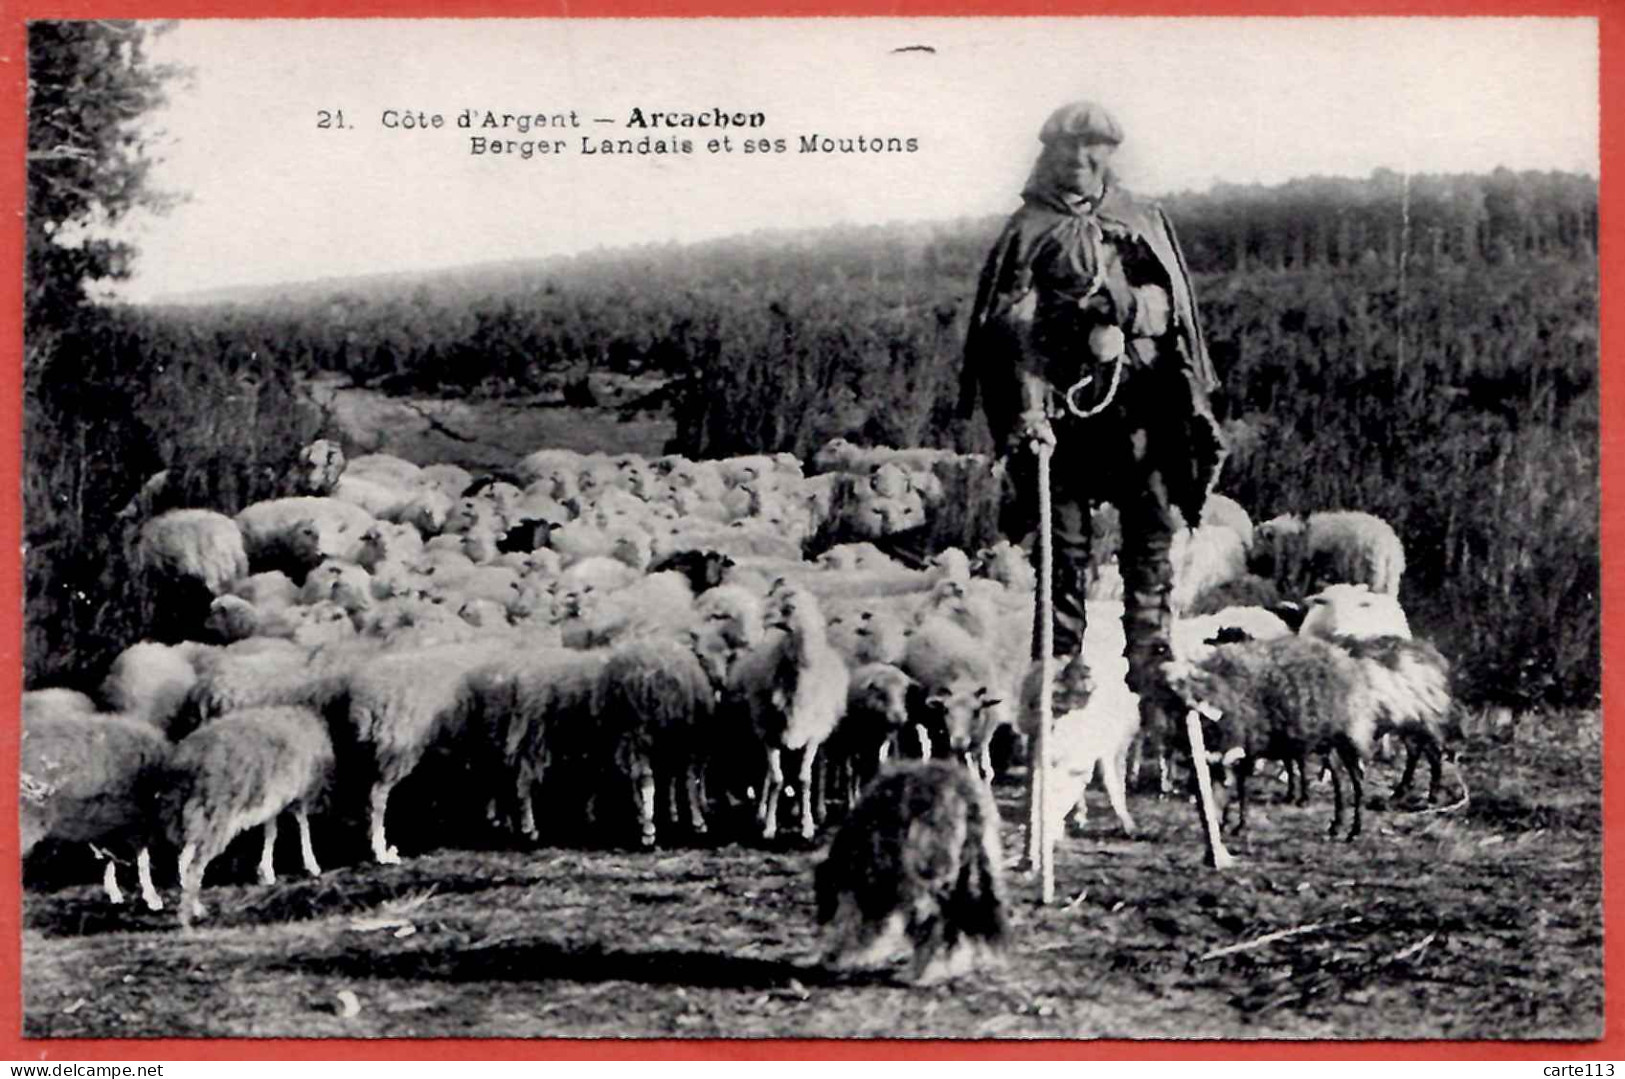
[[1283, 699], [704, 570], [916, 866], [525, 536]]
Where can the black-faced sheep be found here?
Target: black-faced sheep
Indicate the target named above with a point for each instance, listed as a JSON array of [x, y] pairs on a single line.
[[916, 866], [881, 704], [704, 570], [235, 773]]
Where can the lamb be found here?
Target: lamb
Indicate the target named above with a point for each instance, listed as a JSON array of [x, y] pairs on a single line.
[[880, 703], [1283, 699], [792, 689], [237, 772], [917, 864], [83, 779], [1345, 547], [651, 708], [198, 546]]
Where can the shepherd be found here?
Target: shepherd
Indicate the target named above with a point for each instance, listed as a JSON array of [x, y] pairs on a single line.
[[1085, 339]]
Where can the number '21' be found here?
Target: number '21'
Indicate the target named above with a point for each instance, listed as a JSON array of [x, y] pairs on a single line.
[[326, 119]]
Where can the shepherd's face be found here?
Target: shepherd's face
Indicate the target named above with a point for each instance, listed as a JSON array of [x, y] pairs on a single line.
[[1080, 167]]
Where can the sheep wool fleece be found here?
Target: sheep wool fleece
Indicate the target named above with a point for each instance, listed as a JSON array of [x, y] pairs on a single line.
[[1063, 269]]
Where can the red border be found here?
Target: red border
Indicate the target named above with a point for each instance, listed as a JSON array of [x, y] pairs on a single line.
[[14, 14]]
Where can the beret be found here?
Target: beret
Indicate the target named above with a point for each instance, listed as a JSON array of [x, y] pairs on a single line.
[[1083, 120]]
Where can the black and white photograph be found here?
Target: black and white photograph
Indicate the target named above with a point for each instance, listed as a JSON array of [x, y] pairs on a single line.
[[908, 528]]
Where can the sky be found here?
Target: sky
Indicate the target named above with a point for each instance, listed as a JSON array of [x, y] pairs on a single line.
[[273, 197]]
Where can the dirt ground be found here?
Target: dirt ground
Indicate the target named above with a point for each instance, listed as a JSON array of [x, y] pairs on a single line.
[[1483, 923]]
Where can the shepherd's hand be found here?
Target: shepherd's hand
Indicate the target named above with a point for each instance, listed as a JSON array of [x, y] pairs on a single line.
[[1033, 430]]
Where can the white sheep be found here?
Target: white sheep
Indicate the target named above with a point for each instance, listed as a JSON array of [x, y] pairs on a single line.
[[400, 703], [84, 778], [1098, 735], [590, 618], [192, 545], [867, 633], [845, 557], [150, 682], [319, 467], [58, 701], [792, 690], [238, 772], [1203, 558], [916, 867], [296, 534], [1225, 512], [967, 689], [266, 590], [453, 480], [387, 468], [1343, 547], [1353, 610], [1006, 563]]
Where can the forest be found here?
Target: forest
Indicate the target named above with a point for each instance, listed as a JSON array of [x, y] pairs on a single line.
[[1421, 347]]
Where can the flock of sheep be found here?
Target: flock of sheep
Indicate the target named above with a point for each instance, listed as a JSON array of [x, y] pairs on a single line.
[[642, 644]]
